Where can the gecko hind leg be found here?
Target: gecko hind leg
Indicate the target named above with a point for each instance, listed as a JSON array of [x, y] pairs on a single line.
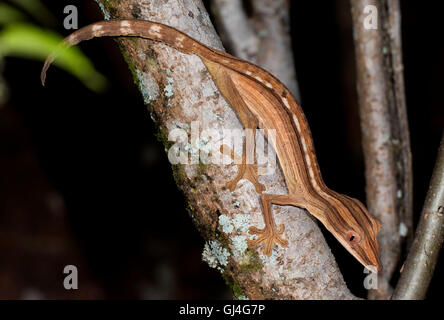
[[271, 234], [245, 171]]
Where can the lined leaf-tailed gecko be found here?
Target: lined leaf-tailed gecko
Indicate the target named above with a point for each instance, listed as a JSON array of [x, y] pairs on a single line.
[[261, 100]]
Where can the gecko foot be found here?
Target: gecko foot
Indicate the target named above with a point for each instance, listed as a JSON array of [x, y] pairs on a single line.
[[268, 235]]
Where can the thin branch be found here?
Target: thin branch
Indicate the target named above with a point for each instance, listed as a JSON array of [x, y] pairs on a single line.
[[235, 29], [179, 92], [421, 261], [400, 127], [384, 130]]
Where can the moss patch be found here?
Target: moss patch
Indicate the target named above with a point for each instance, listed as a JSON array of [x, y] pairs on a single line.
[[201, 168], [235, 288], [251, 261], [178, 174], [162, 136]]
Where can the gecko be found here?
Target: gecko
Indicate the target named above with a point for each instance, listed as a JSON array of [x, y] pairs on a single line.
[[261, 101]]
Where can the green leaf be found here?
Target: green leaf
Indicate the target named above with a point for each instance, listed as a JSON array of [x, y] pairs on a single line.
[[30, 42], [36, 9], [9, 14]]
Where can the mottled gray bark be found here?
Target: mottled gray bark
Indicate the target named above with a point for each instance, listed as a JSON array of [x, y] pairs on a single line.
[[385, 131], [418, 269], [178, 90]]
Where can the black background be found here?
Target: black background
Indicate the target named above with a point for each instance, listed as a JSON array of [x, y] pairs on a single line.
[[125, 217]]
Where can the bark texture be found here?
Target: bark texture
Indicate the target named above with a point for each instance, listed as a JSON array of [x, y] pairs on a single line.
[[418, 269], [385, 133], [178, 90]]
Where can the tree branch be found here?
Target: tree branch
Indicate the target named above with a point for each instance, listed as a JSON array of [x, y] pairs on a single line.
[[180, 93], [236, 29], [418, 269], [386, 140]]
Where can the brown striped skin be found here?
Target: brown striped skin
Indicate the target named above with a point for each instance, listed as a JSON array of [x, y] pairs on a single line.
[[261, 100]]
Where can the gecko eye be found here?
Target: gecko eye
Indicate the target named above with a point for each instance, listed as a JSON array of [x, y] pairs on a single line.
[[353, 237]]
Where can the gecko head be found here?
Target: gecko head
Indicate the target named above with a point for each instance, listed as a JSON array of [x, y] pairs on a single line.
[[358, 232]]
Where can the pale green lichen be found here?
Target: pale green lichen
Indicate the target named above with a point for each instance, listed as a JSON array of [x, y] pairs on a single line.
[[241, 222], [225, 224], [253, 237], [195, 147], [269, 260], [204, 144], [215, 255], [147, 86], [192, 150], [104, 11], [169, 89], [240, 245]]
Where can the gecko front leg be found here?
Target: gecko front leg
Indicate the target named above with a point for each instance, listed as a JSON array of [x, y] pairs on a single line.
[[270, 234]]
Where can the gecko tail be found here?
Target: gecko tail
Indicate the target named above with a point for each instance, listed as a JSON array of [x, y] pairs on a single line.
[[126, 28], [45, 68], [65, 44]]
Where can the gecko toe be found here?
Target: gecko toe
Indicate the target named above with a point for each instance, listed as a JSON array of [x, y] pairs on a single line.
[[269, 237]]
